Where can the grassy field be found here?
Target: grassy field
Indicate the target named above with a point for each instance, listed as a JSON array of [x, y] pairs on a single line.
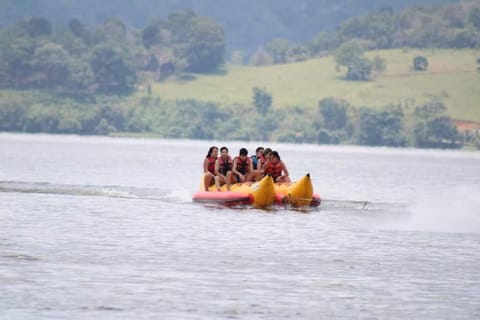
[[451, 77]]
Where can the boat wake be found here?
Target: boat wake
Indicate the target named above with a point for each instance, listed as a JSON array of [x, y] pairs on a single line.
[[356, 204], [93, 190]]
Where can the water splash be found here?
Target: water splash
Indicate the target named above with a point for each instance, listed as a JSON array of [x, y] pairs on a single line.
[[456, 210], [180, 195]]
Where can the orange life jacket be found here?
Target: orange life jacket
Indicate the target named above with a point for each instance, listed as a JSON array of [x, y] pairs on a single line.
[[224, 166], [274, 169], [243, 166], [211, 164]]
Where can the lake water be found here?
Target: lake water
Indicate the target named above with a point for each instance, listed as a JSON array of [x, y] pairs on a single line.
[[94, 227]]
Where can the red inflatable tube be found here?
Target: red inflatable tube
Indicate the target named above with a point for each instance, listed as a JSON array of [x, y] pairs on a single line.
[[229, 198]]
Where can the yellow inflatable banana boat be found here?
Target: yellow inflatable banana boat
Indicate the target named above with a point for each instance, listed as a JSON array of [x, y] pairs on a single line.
[[259, 194], [262, 194], [297, 194]]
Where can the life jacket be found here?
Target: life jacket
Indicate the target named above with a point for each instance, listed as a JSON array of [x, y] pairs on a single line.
[[211, 164], [254, 161], [274, 169], [243, 166], [224, 166]]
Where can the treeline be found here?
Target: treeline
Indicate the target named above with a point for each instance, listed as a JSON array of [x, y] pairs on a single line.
[[110, 59], [248, 24], [113, 59], [79, 80], [334, 121], [443, 26]]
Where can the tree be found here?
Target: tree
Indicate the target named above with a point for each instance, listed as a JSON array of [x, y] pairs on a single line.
[[430, 109], [348, 53], [379, 64], [278, 49], [334, 113], [17, 52], [323, 42], [377, 27], [433, 128], [262, 100], [112, 30], [38, 26], [436, 132], [81, 77], [113, 69], [381, 128], [420, 63], [155, 33], [180, 23], [474, 17], [78, 29], [359, 70], [52, 61], [297, 53], [205, 48]]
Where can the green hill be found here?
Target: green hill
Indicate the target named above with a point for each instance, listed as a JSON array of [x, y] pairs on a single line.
[[451, 77]]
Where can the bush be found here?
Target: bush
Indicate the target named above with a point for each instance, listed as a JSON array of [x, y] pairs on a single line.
[[420, 63]]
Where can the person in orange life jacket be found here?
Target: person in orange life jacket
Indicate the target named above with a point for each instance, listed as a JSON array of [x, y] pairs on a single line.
[[258, 159], [243, 167], [266, 155], [209, 167], [223, 169], [275, 166]]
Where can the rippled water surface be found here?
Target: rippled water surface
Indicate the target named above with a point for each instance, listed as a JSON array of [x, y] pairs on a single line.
[[105, 228]]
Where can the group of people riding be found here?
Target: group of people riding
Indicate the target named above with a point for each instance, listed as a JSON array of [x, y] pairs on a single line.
[[222, 169]]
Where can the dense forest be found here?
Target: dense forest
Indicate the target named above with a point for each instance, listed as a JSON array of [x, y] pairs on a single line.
[[247, 24], [79, 78]]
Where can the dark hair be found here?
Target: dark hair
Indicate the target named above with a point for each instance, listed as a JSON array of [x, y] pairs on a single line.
[[259, 149], [267, 151], [243, 152], [223, 148], [276, 155], [211, 150]]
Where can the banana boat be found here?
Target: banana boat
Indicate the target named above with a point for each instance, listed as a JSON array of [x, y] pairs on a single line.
[[297, 194], [262, 194], [259, 194]]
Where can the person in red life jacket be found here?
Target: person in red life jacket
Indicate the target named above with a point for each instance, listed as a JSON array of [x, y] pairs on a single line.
[[243, 167], [209, 167], [266, 155], [223, 169], [275, 166]]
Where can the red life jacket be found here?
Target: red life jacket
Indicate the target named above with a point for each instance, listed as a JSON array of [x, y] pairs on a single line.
[[243, 166], [274, 169], [211, 164], [224, 166]]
